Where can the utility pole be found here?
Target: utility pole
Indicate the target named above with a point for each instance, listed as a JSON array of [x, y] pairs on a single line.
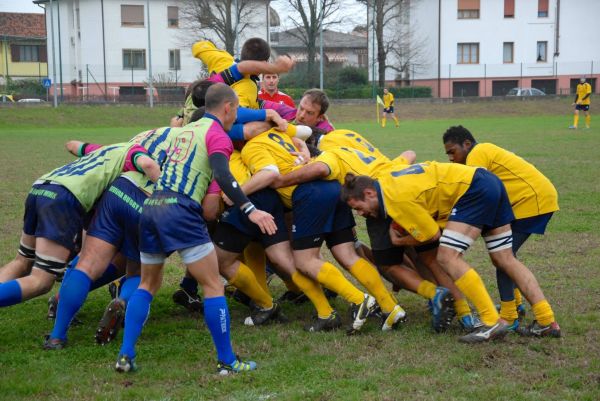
[[55, 99], [150, 86], [321, 46]]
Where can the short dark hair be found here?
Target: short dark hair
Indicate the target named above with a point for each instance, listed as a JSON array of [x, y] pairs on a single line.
[[314, 138], [355, 185], [199, 90], [218, 94], [197, 114], [319, 97], [457, 135], [255, 49]]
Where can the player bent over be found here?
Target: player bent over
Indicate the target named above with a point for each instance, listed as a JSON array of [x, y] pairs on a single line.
[[471, 202]]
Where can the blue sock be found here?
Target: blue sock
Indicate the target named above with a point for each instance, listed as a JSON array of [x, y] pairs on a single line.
[[72, 295], [216, 316], [128, 287], [73, 263], [10, 293], [189, 284], [110, 274], [136, 314], [506, 287]]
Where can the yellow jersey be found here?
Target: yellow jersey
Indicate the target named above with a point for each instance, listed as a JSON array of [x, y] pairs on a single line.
[[349, 139], [238, 169], [420, 197], [388, 100], [271, 150], [345, 160], [216, 61], [582, 90], [530, 192]]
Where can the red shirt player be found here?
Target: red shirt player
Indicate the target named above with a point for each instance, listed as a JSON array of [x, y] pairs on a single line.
[[269, 90]]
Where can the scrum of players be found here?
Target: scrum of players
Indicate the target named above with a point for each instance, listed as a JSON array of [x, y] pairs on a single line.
[[242, 187]]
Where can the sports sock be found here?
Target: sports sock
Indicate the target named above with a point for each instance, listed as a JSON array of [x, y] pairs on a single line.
[[245, 281], [588, 121], [472, 286], [189, 285], [575, 120], [136, 315], [508, 311], [110, 274], [383, 122], [255, 259], [10, 293], [543, 313], [518, 296], [461, 306], [314, 292], [291, 285], [73, 293], [396, 120], [426, 289], [369, 277], [216, 316], [128, 287], [333, 279]]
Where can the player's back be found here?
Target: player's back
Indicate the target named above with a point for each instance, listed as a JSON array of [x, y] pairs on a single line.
[[343, 160], [350, 139]]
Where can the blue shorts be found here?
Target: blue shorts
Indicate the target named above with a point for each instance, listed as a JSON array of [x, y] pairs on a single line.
[[54, 213], [485, 204], [171, 221], [267, 200], [389, 109], [317, 209], [117, 217], [532, 225], [582, 107]]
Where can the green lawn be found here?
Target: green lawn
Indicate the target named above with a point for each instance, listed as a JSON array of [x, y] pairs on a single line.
[[175, 353]]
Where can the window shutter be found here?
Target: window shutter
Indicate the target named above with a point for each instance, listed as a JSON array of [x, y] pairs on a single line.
[[509, 8], [468, 4], [543, 6], [43, 54], [15, 53]]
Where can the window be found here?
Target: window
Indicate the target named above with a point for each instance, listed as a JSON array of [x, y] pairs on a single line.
[[542, 51], [132, 15], [134, 59], [468, 9], [542, 8], [468, 53], [509, 8], [508, 52], [174, 60], [172, 17], [28, 54]]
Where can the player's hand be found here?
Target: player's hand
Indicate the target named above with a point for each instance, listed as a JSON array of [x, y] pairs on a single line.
[[301, 158], [226, 199], [176, 122], [284, 63], [264, 221], [397, 234], [280, 123]]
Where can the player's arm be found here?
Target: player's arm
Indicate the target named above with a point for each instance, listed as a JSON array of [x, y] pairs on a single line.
[[79, 148], [588, 92], [401, 238], [286, 111], [303, 154], [406, 157], [417, 222], [576, 97], [310, 172], [211, 203], [280, 65], [146, 165]]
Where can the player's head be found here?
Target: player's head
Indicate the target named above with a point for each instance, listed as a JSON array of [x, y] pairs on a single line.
[[458, 142], [255, 49], [222, 102], [360, 194], [315, 137], [197, 114], [312, 107], [385, 91], [269, 83], [198, 91], [582, 80]]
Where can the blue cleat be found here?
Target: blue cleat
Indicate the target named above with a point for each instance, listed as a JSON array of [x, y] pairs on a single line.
[[470, 323], [236, 367], [442, 309]]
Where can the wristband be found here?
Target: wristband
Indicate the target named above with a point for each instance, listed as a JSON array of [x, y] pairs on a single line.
[[248, 208]]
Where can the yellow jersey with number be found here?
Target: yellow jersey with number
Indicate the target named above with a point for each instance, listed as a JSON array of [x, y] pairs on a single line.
[[582, 90], [420, 197], [271, 150], [388, 100], [216, 61], [349, 139], [530, 192], [343, 160]]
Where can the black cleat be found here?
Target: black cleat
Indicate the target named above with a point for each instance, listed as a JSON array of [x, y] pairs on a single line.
[[333, 322], [537, 330], [111, 322], [54, 344], [191, 302], [293, 297]]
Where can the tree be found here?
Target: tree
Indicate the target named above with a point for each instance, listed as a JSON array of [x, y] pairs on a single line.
[[219, 17], [394, 37], [311, 13]]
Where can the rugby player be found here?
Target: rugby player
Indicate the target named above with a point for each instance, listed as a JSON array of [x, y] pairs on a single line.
[[388, 108], [582, 102]]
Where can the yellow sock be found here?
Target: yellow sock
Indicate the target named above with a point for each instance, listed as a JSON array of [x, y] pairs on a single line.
[[588, 121], [543, 313], [245, 281], [508, 311], [333, 279], [383, 122], [472, 286], [314, 292], [576, 120], [426, 289], [518, 297], [462, 307], [291, 285], [397, 122], [369, 277], [255, 259]]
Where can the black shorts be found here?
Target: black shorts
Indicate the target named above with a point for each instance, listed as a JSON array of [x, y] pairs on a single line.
[[389, 110], [384, 252], [582, 107]]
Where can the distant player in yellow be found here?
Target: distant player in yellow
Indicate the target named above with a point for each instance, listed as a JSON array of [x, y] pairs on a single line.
[[532, 196], [582, 102], [388, 108]]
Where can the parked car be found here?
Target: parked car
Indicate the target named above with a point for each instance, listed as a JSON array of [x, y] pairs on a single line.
[[6, 98], [525, 92], [31, 100]]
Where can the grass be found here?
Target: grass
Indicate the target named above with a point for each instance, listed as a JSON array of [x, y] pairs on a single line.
[[175, 353]]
